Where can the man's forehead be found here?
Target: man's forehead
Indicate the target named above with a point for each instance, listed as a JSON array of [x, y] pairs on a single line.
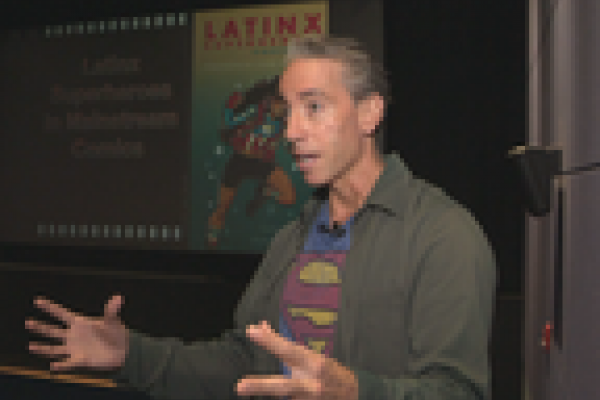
[[309, 77]]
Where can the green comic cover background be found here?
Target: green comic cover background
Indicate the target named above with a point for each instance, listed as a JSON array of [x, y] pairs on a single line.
[[216, 75]]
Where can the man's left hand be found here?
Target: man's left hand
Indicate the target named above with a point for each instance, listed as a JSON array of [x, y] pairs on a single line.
[[314, 376]]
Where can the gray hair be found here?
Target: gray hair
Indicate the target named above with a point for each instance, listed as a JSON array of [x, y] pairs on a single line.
[[363, 75]]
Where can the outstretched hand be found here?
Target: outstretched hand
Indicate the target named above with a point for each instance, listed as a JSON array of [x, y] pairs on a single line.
[[84, 342], [314, 376]]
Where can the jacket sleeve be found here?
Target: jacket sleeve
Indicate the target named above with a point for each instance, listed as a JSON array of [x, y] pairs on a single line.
[[449, 317], [168, 368], [171, 369]]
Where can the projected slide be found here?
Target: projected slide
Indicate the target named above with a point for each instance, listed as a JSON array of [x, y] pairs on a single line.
[[163, 131], [94, 132]]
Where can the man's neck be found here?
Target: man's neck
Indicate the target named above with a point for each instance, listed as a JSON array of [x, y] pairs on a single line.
[[348, 193]]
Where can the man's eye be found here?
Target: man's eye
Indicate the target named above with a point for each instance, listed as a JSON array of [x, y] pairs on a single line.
[[314, 107]]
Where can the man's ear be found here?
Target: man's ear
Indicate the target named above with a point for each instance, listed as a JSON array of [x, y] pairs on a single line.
[[370, 113]]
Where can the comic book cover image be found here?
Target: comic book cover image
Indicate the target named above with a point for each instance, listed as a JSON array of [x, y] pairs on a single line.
[[253, 123]]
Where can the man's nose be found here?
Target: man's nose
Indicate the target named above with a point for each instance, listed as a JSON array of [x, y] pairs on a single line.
[[294, 131]]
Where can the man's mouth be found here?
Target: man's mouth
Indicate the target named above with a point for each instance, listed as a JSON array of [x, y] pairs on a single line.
[[303, 161]]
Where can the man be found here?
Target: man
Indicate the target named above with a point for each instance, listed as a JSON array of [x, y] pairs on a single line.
[[381, 289]]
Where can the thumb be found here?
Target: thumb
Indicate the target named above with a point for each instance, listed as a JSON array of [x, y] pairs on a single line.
[[113, 306]]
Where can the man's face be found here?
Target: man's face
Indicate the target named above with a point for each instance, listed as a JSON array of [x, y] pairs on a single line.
[[323, 119]]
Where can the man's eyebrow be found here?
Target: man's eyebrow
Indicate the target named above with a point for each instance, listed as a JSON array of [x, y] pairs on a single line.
[[311, 93]]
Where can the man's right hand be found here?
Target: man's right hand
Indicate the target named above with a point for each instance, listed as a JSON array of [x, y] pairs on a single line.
[[99, 343]]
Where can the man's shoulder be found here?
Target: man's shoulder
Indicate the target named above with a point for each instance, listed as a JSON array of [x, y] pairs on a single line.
[[411, 197], [435, 213]]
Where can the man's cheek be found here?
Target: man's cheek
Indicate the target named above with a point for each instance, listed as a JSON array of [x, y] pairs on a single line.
[[329, 127], [329, 117]]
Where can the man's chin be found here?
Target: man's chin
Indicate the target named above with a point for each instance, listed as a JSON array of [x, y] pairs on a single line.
[[316, 182]]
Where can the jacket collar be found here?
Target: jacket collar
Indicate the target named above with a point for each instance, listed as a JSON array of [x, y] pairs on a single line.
[[389, 193]]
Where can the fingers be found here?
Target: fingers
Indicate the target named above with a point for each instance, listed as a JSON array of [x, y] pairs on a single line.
[[56, 310], [67, 361], [66, 364], [277, 385], [111, 309], [292, 354], [45, 329], [47, 350], [113, 306]]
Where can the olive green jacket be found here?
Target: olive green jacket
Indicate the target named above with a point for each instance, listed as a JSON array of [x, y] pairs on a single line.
[[414, 314]]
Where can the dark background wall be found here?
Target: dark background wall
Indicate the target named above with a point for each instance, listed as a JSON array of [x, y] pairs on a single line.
[[458, 71]]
